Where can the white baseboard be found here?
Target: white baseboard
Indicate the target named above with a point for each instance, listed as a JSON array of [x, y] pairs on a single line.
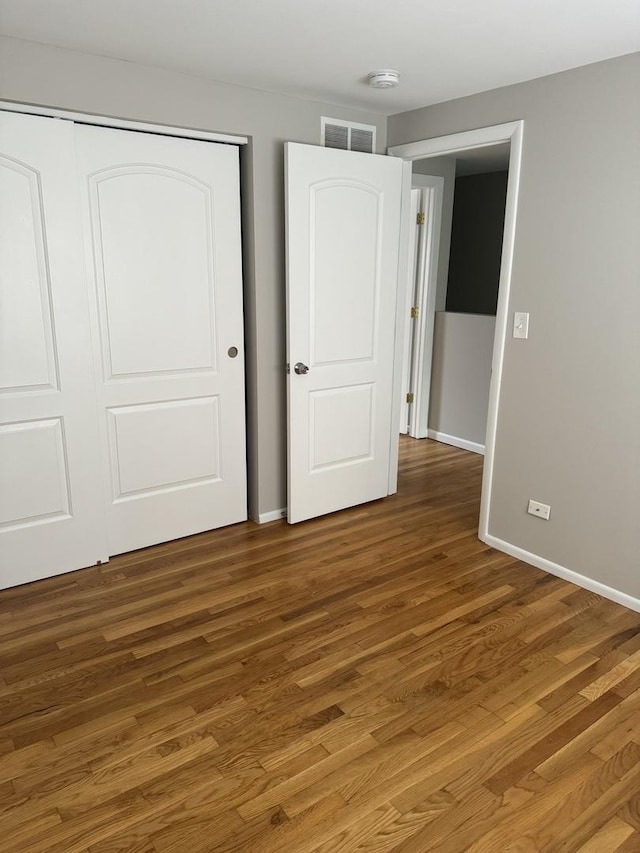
[[462, 443], [562, 572], [274, 515]]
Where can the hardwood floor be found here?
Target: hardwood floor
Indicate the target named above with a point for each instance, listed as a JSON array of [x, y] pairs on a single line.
[[374, 680]]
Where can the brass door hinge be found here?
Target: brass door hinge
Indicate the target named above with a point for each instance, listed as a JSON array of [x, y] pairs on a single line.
[[415, 312], [410, 397], [420, 218]]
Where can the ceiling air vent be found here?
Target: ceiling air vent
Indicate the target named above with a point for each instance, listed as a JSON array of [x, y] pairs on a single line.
[[348, 135]]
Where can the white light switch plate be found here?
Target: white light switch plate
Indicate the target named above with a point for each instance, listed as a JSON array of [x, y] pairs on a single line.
[[521, 324]]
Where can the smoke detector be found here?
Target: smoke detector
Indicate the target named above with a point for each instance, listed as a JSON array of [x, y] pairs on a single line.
[[384, 79]]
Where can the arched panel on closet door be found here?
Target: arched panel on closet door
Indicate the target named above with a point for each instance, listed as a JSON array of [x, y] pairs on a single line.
[[153, 239]]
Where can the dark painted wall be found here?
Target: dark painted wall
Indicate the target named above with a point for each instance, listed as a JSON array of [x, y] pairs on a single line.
[[476, 243]]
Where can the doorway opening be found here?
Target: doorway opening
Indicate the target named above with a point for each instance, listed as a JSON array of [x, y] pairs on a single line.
[[456, 344], [474, 330]]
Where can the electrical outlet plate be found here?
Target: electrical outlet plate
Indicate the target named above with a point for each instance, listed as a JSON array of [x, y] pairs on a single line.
[[539, 510]]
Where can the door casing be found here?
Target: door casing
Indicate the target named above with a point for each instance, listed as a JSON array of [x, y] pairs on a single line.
[[431, 190], [455, 143]]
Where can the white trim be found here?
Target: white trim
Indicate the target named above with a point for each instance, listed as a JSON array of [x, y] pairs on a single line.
[[481, 137], [511, 132], [274, 515], [402, 318], [123, 124], [561, 572], [432, 197], [410, 286], [453, 440]]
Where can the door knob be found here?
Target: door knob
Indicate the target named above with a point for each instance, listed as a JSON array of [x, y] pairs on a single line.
[[300, 368]]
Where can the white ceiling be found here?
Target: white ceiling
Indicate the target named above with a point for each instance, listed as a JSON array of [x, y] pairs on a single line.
[[324, 49]]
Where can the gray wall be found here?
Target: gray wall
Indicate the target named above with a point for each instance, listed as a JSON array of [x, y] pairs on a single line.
[[461, 374], [569, 413], [476, 243], [43, 75]]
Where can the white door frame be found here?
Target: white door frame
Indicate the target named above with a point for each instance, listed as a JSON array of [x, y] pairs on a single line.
[[432, 191], [511, 132], [410, 284], [402, 310], [427, 192], [123, 124]]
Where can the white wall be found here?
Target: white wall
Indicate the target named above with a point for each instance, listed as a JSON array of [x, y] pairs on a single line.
[[460, 377], [49, 76]]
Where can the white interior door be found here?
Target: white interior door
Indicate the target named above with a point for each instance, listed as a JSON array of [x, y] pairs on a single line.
[[431, 200], [412, 267], [343, 231], [162, 227], [50, 477]]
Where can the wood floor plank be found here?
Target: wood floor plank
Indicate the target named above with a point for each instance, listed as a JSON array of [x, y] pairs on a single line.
[[614, 833], [373, 680], [516, 828]]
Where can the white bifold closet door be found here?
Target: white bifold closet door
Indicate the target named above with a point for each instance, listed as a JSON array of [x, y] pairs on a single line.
[[162, 233], [51, 496], [121, 347]]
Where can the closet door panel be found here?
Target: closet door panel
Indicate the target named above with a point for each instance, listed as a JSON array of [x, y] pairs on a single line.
[[155, 247], [163, 226], [50, 473], [27, 341]]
